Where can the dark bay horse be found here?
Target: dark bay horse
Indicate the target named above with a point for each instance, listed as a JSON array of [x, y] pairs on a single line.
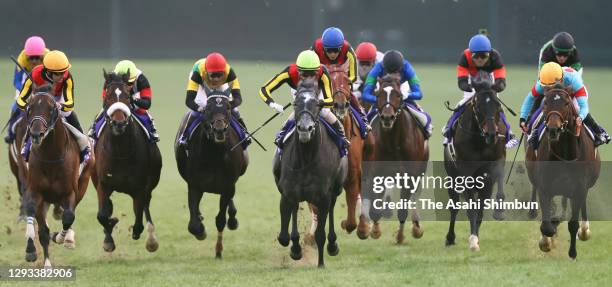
[[309, 169], [209, 165], [359, 149], [398, 137], [566, 164], [476, 150], [53, 174], [128, 163]]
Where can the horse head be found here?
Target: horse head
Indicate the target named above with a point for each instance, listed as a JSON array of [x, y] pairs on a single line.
[[307, 109], [42, 114], [117, 101], [389, 100], [341, 89], [559, 111], [218, 114], [486, 109]]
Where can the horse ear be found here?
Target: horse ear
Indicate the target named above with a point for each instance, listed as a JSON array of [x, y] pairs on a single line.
[[105, 74], [126, 77]]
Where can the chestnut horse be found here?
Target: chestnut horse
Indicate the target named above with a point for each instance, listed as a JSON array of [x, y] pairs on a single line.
[[53, 174], [566, 164], [359, 149], [128, 163], [398, 137]]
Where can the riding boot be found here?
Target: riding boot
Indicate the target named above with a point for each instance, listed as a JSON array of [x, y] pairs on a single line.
[[355, 103], [337, 125], [184, 139], [74, 121], [10, 137], [82, 139], [280, 136], [153, 130], [600, 135], [92, 133]]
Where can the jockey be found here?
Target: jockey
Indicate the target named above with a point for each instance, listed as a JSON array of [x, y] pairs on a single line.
[[479, 56], [561, 50], [141, 94], [394, 63], [212, 73], [552, 74], [307, 66], [54, 72], [333, 49], [31, 56]]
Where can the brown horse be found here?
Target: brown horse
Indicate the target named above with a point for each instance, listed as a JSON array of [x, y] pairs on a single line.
[[209, 164], [53, 174], [398, 137], [128, 163], [359, 149], [566, 163], [18, 165]]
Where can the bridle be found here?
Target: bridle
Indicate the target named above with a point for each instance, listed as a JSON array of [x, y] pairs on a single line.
[[481, 130], [50, 125], [387, 103], [218, 98]]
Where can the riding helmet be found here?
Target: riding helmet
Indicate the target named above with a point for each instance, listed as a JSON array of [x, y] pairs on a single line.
[[393, 61]]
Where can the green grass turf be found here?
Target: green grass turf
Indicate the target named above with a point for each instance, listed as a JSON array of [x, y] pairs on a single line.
[[509, 254]]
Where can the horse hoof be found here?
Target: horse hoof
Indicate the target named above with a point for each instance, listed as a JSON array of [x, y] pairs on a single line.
[[108, 246], [218, 255], [48, 263], [474, 245], [375, 234], [197, 230], [152, 244], [56, 238], [449, 243], [69, 244], [69, 241], [296, 252], [399, 238], [309, 239], [232, 223], [30, 256], [363, 235], [545, 244], [499, 215], [349, 227], [283, 240], [417, 232], [584, 234], [332, 249]]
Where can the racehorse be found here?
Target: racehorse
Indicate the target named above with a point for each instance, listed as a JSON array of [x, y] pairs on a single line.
[[53, 174], [208, 164], [310, 169], [128, 163], [566, 163], [18, 165], [398, 137], [476, 151], [359, 149]]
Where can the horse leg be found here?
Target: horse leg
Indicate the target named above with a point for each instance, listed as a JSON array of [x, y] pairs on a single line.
[[473, 218], [533, 213], [57, 212], [138, 204], [563, 208], [332, 246], [286, 207], [363, 229], [105, 211], [402, 215], [195, 225], [498, 213], [322, 212], [584, 233], [66, 236], [221, 219], [43, 230], [32, 202], [309, 238], [546, 227], [352, 187], [417, 230], [296, 249], [152, 245], [375, 215], [232, 222], [450, 236], [572, 224]]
